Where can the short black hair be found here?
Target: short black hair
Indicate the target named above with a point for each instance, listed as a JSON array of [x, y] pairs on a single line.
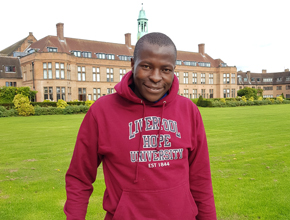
[[157, 38]]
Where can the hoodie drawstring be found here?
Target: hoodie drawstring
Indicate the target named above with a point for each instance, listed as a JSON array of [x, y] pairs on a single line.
[[141, 137], [158, 137], [140, 143]]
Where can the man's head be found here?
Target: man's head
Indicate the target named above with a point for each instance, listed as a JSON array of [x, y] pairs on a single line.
[[153, 66]]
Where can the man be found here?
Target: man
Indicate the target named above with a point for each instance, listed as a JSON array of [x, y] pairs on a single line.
[[152, 144]]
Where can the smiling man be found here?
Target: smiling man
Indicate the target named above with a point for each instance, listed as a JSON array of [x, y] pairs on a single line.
[[151, 142]]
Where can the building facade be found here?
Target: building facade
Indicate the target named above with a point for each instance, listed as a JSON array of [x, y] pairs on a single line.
[[60, 67]]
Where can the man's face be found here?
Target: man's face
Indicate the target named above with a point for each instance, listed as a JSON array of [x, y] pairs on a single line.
[[153, 71]]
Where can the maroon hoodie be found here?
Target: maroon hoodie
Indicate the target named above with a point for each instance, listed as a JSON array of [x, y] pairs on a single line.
[[155, 158]]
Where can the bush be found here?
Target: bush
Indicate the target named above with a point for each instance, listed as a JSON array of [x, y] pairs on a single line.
[[200, 99], [206, 103], [260, 98], [89, 103], [231, 104], [44, 104], [286, 101], [251, 99], [280, 99], [8, 105], [223, 100], [7, 94], [7, 112], [22, 105], [244, 99], [61, 104], [194, 100]]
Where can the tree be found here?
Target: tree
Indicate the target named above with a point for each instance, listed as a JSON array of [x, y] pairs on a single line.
[[7, 93], [248, 92]]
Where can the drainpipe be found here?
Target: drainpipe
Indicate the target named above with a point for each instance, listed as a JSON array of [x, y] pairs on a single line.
[[33, 79]]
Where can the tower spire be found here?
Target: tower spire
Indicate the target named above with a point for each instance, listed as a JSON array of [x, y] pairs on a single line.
[[142, 22]]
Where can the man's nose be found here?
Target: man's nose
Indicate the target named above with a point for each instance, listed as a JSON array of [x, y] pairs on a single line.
[[155, 76]]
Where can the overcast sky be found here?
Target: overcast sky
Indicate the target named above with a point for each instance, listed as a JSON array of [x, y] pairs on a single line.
[[249, 34]]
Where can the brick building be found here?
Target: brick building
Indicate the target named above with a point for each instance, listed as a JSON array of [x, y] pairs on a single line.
[[60, 67], [273, 84]]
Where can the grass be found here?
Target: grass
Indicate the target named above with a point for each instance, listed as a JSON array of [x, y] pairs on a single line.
[[249, 151]]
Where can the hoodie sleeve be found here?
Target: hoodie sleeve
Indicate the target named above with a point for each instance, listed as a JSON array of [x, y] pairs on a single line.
[[83, 169], [199, 172]]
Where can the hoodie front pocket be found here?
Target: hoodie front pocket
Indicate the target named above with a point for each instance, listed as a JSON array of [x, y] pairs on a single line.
[[169, 204]]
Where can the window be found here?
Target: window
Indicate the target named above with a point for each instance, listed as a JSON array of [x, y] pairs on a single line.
[[87, 54], [258, 80], [202, 79], [204, 64], [96, 75], [47, 70], [68, 71], [267, 79], [82, 94], [69, 93], [210, 93], [245, 79], [60, 93], [185, 80], [287, 87], [210, 79], [194, 78], [267, 96], [122, 73], [203, 93], [189, 63], [194, 93], [268, 88], [57, 70], [62, 70], [125, 58], [110, 91], [226, 78], [178, 62], [233, 93], [185, 92], [226, 93], [81, 73], [279, 88], [10, 69], [10, 84], [252, 79], [97, 93], [288, 78], [76, 53], [110, 74], [51, 49], [48, 93], [223, 64], [110, 56], [177, 75], [279, 79]]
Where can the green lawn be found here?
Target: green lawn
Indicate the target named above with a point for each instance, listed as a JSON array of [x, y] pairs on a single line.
[[249, 151]]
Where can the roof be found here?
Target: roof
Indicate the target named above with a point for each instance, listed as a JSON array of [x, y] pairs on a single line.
[[257, 78], [9, 50], [73, 44], [198, 57]]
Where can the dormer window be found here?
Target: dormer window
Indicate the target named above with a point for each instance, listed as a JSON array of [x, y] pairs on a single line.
[[87, 54], [178, 62], [10, 69], [124, 57], [223, 65], [206, 64], [51, 49], [76, 53], [101, 55], [110, 56], [189, 63]]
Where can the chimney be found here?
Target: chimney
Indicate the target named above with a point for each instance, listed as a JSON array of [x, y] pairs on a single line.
[[59, 31], [264, 71], [286, 70], [30, 33], [128, 40], [201, 49]]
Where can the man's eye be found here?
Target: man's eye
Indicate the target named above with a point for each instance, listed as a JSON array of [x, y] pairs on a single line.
[[145, 66], [167, 70]]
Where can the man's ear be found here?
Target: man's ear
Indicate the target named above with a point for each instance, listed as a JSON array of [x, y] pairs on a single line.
[[132, 64]]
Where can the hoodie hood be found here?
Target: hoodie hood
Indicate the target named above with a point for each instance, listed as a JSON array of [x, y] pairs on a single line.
[[124, 90]]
